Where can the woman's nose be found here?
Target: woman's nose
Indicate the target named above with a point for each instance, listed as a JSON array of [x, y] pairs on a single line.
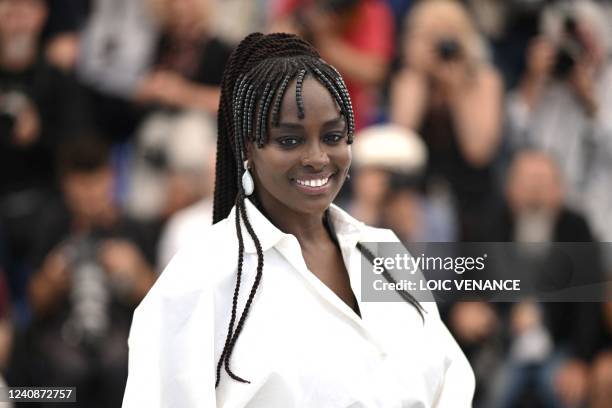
[[315, 156]]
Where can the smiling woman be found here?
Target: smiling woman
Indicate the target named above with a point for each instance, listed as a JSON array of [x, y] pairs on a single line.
[[302, 168], [294, 326]]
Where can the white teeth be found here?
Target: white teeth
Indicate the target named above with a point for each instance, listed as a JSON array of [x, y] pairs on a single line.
[[313, 183]]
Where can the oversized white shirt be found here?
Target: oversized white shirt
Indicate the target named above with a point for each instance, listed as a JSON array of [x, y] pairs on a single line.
[[301, 345]]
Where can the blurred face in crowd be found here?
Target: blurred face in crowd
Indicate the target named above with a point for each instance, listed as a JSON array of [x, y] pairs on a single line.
[[534, 184], [371, 184], [433, 23], [305, 162], [21, 21], [89, 194], [184, 15], [21, 17], [402, 213]]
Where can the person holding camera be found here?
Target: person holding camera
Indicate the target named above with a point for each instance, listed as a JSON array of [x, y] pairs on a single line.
[[38, 105], [452, 96], [563, 105], [37, 102], [92, 266], [356, 36]]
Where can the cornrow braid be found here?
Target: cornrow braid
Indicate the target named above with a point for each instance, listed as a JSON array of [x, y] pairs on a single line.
[[278, 99], [262, 117], [330, 86], [332, 73], [250, 99], [254, 83], [298, 94]]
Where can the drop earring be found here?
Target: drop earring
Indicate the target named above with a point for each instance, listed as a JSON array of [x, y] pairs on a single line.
[[247, 180]]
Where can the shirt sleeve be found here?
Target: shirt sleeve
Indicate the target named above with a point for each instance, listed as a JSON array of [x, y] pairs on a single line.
[[459, 383], [171, 343]]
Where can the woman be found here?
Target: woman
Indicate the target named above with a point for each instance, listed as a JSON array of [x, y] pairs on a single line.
[[290, 331]]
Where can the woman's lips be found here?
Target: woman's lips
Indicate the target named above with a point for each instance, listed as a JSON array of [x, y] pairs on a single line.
[[313, 185]]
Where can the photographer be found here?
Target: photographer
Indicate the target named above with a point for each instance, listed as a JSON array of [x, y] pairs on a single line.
[[186, 72], [38, 104], [92, 266], [451, 96], [563, 105], [356, 36], [544, 351]]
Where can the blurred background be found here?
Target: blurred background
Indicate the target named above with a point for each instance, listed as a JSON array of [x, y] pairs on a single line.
[[478, 120]]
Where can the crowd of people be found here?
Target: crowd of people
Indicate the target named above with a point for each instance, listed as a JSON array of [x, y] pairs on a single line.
[[477, 120]]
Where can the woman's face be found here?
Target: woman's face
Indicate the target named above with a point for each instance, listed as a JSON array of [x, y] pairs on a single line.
[[429, 27], [305, 161], [185, 14]]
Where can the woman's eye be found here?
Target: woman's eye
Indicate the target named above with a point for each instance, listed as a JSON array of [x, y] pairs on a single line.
[[288, 141], [333, 138]]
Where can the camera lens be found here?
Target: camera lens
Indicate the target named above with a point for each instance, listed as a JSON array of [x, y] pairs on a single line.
[[448, 49], [7, 127]]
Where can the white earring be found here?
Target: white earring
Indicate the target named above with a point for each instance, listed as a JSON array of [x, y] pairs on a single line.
[[247, 181]]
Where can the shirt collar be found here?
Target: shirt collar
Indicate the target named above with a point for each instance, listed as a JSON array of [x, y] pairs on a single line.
[[347, 228]]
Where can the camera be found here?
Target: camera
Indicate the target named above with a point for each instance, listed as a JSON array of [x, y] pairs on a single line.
[[11, 104], [449, 49], [338, 6], [89, 322], [569, 51], [156, 158], [7, 125]]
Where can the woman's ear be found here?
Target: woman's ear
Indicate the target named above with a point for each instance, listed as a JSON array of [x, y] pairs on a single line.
[[249, 152]]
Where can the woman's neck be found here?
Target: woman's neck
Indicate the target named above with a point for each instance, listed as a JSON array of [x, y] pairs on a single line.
[[306, 227]]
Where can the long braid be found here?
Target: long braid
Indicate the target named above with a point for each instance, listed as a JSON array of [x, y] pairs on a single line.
[[247, 307], [254, 83], [239, 141], [230, 329], [224, 358]]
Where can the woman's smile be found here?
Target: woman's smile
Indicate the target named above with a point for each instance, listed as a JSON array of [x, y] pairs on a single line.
[[314, 184]]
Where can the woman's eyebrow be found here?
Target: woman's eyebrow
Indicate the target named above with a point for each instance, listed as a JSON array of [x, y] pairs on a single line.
[[290, 125], [337, 121]]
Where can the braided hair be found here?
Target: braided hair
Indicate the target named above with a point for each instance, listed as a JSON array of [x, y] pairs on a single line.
[[254, 83]]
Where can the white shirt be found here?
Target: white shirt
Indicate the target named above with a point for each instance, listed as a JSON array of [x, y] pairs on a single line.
[[301, 345]]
